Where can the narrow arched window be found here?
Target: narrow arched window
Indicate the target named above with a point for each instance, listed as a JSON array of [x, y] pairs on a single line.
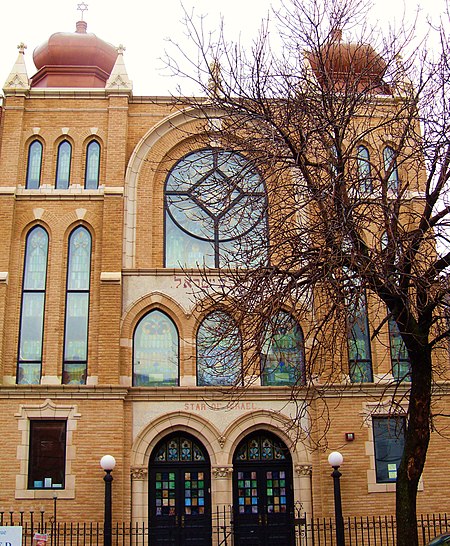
[[92, 173], [77, 307], [34, 166], [401, 365], [390, 166], [282, 352], [29, 366], [364, 177], [155, 351], [63, 165], [359, 349], [219, 351]]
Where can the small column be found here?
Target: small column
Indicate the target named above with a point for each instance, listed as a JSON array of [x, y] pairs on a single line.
[[139, 494], [304, 495], [222, 500]]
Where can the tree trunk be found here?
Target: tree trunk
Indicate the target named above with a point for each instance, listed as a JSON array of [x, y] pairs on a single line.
[[416, 445]]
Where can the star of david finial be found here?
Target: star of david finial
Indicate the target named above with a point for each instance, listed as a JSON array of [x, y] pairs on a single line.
[[21, 47], [82, 7], [120, 49]]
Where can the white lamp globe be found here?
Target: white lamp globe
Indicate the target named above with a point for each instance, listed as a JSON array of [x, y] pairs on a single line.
[[335, 458], [107, 462]]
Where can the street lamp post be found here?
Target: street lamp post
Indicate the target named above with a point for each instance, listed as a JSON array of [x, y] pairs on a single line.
[[335, 460], [108, 463]]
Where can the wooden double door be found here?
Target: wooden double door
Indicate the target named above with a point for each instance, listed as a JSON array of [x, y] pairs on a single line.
[[180, 493]]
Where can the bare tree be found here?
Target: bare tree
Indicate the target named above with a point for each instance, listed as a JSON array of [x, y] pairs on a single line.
[[353, 143]]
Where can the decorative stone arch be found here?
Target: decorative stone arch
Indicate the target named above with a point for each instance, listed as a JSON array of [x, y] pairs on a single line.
[[137, 159], [146, 441], [278, 424], [155, 300]]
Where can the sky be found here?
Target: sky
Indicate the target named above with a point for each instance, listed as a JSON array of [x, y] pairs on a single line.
[[144, 26]]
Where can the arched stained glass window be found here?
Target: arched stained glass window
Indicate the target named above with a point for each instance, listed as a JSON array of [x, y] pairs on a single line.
[[155, 351], [359, 350], [32, 311], [401, 365], [390, 165], [219, 351], [216, 212], [179, 448], [261, 447], [34, 165], [282, 353], [63, 165], [364, 177], [92, 165], [77, 307]]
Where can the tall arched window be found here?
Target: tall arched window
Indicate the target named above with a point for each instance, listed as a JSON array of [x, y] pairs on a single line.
[[390, 165], [359, 351], [34, 166], [282, 353], [155, 351], [219, 351], [63, 165], [401, 365], [92, 165], [31, 333], [77, 307], [364, 178], [216, 212]]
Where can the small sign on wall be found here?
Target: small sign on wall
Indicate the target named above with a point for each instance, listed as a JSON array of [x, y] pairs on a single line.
[[10, 535]]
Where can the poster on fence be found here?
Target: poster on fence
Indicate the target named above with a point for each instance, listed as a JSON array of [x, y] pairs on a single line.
[[10, 535], [39, 539]]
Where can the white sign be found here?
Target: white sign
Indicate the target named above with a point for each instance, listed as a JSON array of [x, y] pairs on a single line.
[[11, 536]]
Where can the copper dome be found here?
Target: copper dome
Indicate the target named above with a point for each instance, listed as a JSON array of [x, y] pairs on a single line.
[[73, 59], [340, 64]]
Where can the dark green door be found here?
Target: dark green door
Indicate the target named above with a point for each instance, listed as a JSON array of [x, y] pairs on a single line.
[[179, 493], [262, 492]]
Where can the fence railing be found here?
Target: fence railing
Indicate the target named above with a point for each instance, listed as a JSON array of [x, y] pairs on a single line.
[[359, 531]]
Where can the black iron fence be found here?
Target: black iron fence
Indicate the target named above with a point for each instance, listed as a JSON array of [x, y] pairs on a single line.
[[359, 531]]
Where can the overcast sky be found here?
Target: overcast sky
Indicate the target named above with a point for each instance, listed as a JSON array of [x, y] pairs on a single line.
[[143, 27]]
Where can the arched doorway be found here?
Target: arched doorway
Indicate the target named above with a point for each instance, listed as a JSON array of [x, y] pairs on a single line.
[[263, 492], [180, 492]]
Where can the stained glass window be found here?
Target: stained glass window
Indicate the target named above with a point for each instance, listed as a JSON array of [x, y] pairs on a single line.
[[77, 307], [92, 165], [179, 448], [276, 491], [32, 310], [219, 351], [34, 165], [390, 165], [63, 165], [216, 212], [155, 351], [165, 494], [282, 354], [261, 448], [364, 178], [248, 495], [359, 350], [401, 365]]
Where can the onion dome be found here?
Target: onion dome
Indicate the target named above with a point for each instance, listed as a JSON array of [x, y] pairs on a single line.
[[73, 59], [339, 65]]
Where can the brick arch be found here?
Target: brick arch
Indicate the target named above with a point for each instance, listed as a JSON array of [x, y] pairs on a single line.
[[160, 427], [148, 143]]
